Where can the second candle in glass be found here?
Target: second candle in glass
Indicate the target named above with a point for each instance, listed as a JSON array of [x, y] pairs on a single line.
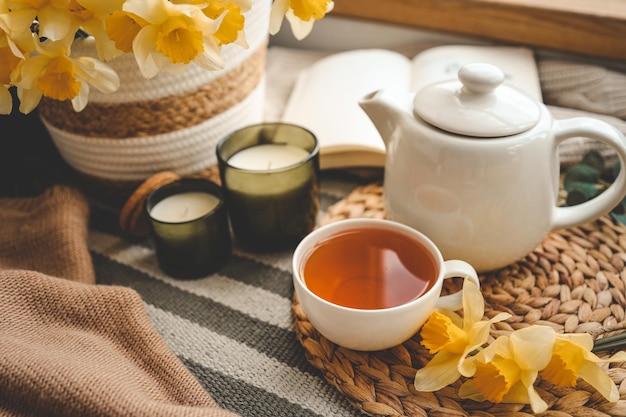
[[270, 178]]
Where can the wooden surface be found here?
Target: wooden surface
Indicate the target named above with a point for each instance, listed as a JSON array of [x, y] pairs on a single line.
[[596, 28]]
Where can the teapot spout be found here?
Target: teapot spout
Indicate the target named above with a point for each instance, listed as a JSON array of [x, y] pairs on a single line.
[[388, 109]]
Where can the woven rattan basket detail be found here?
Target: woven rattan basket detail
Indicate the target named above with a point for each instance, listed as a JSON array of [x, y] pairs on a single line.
[[573, 281]]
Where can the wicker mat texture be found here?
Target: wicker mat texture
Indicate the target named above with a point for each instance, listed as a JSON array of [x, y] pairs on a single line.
[[573, 281]]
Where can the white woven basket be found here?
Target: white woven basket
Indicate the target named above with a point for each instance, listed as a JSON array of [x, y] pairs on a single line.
[[170, 122]]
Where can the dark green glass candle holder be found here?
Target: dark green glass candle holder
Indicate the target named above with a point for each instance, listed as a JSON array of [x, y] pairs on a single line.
[[270, 207], [189, 245]]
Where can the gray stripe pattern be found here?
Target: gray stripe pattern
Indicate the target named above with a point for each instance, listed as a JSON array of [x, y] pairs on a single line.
[[233, 329]]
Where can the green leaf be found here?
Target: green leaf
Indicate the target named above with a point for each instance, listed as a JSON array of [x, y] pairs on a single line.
[[593, 159], [580, 174], [619, 217], [580, 192]]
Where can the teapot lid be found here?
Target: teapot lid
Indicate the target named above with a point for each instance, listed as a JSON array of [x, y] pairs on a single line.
[[477, 104]]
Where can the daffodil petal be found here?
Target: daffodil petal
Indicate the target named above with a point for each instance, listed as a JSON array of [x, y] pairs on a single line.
[[537, 404], [532, 346], [153, 11], [31, 69], [466, 366], [80, 101], [279, 9], [164, 64], [300, 28], [617, 357], [210, 58], [98, 74], [6, 101], [479, 333], [20, 18], [102, 8], [15, 49], [55, 24], [521, 393], [499, 347], [29, 99], [104, 45], [438, 373], [143, 48], [478, 336], [500, 317], [528, 379], [600, 380], [584, 340], [468, 390], [453, 316], [473, 303]]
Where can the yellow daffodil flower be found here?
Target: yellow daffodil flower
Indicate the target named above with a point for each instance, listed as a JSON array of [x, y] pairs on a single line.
[[54, 74], [301, 15], [174, 35], [506, 370], [452, 339], [122, 28], [572, 357], [90, 16], [162, 35], [55, 23], [231, 29]]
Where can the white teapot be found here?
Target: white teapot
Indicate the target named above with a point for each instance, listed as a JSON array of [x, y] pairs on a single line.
[[473, 164]]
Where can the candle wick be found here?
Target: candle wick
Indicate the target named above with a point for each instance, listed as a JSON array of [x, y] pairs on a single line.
[[184, 213], [269, 164]]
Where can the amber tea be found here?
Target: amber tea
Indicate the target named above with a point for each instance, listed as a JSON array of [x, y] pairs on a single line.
[[369, 268]]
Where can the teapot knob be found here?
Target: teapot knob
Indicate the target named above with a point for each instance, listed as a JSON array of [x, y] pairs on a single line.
[[481, 78], [478, 104]]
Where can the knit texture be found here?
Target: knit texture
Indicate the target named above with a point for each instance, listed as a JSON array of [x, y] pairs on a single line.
[[583, 86], [69, 347], [47, 233]]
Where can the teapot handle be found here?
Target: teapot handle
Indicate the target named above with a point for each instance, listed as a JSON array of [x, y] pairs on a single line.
[[613, 195]]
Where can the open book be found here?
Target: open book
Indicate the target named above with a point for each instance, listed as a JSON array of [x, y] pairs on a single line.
[[326, 94]]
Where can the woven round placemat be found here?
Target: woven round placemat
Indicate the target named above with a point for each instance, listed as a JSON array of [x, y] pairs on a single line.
[[573, 281]]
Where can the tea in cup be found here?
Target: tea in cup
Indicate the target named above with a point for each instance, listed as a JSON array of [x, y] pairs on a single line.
[[370, 284]]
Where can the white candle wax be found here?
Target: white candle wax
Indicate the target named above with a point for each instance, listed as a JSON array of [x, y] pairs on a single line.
[[183, 207], [267, 157]]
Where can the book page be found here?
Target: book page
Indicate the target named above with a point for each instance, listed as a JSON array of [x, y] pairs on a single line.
[[443, 63], [326, 96]]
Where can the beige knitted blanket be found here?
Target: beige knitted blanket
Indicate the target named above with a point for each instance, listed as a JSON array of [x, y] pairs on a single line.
[[69, 347]]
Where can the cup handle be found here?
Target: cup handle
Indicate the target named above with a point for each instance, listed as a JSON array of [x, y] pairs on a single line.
[[611, 197], [456, 269]]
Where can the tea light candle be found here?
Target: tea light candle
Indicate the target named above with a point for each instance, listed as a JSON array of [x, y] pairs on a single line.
[[270, 176], [184, 207], [268, 157], [189, 226]]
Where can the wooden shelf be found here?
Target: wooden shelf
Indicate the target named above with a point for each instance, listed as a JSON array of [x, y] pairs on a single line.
[[596, 28]]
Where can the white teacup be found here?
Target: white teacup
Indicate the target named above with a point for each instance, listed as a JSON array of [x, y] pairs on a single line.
[[370, 284]]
